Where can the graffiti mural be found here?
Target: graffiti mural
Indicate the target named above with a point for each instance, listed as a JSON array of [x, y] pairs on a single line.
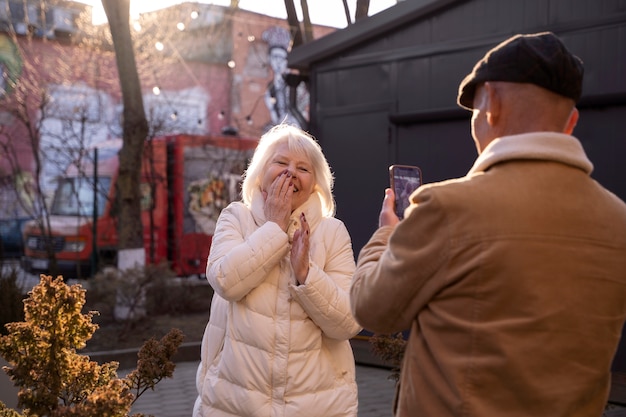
[[207, 193], [10, 65], [277, 95]]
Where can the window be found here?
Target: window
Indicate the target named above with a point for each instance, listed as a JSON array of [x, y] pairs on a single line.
[[74, 196]]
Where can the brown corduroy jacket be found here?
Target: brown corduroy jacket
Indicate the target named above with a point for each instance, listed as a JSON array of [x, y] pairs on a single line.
[[512, 281]]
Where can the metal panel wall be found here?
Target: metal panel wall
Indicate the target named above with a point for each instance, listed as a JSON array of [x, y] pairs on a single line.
[[411, 73], [356, 146]]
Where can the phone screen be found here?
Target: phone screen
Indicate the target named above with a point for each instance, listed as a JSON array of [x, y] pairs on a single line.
[[404, 180]]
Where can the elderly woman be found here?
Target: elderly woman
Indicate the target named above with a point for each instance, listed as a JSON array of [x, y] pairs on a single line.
[[277, 341]]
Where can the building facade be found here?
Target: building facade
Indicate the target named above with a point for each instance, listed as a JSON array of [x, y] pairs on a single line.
[[204, 69]]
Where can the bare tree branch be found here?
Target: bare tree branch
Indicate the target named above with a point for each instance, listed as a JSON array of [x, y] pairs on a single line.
[[347, 11], [306, 20], [362, 9], [294, 23]]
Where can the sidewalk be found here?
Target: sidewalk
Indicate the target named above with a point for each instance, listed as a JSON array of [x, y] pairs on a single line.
[[174, 397]]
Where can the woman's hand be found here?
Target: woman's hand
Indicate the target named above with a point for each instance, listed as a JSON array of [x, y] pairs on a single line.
[[300, 251], [277, 206]]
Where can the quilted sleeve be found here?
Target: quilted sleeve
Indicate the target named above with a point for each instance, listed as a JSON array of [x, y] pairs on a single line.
[[238, 263]]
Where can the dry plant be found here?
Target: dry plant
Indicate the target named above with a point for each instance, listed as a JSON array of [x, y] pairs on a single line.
[[55, 380], [390, 349]]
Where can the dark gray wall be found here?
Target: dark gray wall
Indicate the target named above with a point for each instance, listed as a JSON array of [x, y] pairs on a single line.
[[392, 98]]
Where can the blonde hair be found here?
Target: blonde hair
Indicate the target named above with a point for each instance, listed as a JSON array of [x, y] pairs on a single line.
[[297, 141]]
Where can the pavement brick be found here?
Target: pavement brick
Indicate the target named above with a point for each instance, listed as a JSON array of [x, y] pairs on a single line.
[[174, 397]]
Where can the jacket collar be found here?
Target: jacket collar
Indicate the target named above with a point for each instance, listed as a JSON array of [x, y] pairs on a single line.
[[312, 209], [549, 146]]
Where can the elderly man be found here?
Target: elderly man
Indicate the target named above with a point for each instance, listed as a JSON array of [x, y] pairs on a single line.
[[511, 279]]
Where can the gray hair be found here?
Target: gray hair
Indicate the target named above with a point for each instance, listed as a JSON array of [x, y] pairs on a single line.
[[298, 141]]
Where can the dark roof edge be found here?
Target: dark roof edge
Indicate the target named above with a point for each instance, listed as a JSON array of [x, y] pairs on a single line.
[[405, 11]]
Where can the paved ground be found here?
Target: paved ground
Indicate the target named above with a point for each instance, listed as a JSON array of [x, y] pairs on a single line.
[[175, 397]]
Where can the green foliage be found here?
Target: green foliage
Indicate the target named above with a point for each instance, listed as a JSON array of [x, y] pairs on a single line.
[[56, 381], [389, 348], [11, 296]]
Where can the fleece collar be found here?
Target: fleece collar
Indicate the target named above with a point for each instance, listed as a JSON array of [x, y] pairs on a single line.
[[548, 146]]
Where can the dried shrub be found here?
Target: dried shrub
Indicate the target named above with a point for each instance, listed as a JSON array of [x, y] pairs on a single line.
[[390, 349], [152, 294], [54, 379], [178, 296]]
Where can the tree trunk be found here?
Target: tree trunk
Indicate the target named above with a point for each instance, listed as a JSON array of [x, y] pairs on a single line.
[[135, 131]]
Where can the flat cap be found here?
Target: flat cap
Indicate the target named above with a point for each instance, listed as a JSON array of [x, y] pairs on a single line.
[[540, 58]]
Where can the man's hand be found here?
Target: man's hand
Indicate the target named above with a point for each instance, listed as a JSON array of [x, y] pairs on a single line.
[[387, 215]]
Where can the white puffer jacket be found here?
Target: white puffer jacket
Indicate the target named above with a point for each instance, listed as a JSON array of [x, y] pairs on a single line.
[[273, 347]]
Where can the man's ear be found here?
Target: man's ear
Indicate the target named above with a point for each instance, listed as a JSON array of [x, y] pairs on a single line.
[[571, 121], [493, 103]]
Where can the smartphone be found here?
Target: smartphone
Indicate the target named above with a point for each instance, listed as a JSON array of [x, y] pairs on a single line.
[[404, 179]]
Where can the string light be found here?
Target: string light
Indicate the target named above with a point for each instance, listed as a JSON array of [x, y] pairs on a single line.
[[231, 64], [249, 120]]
